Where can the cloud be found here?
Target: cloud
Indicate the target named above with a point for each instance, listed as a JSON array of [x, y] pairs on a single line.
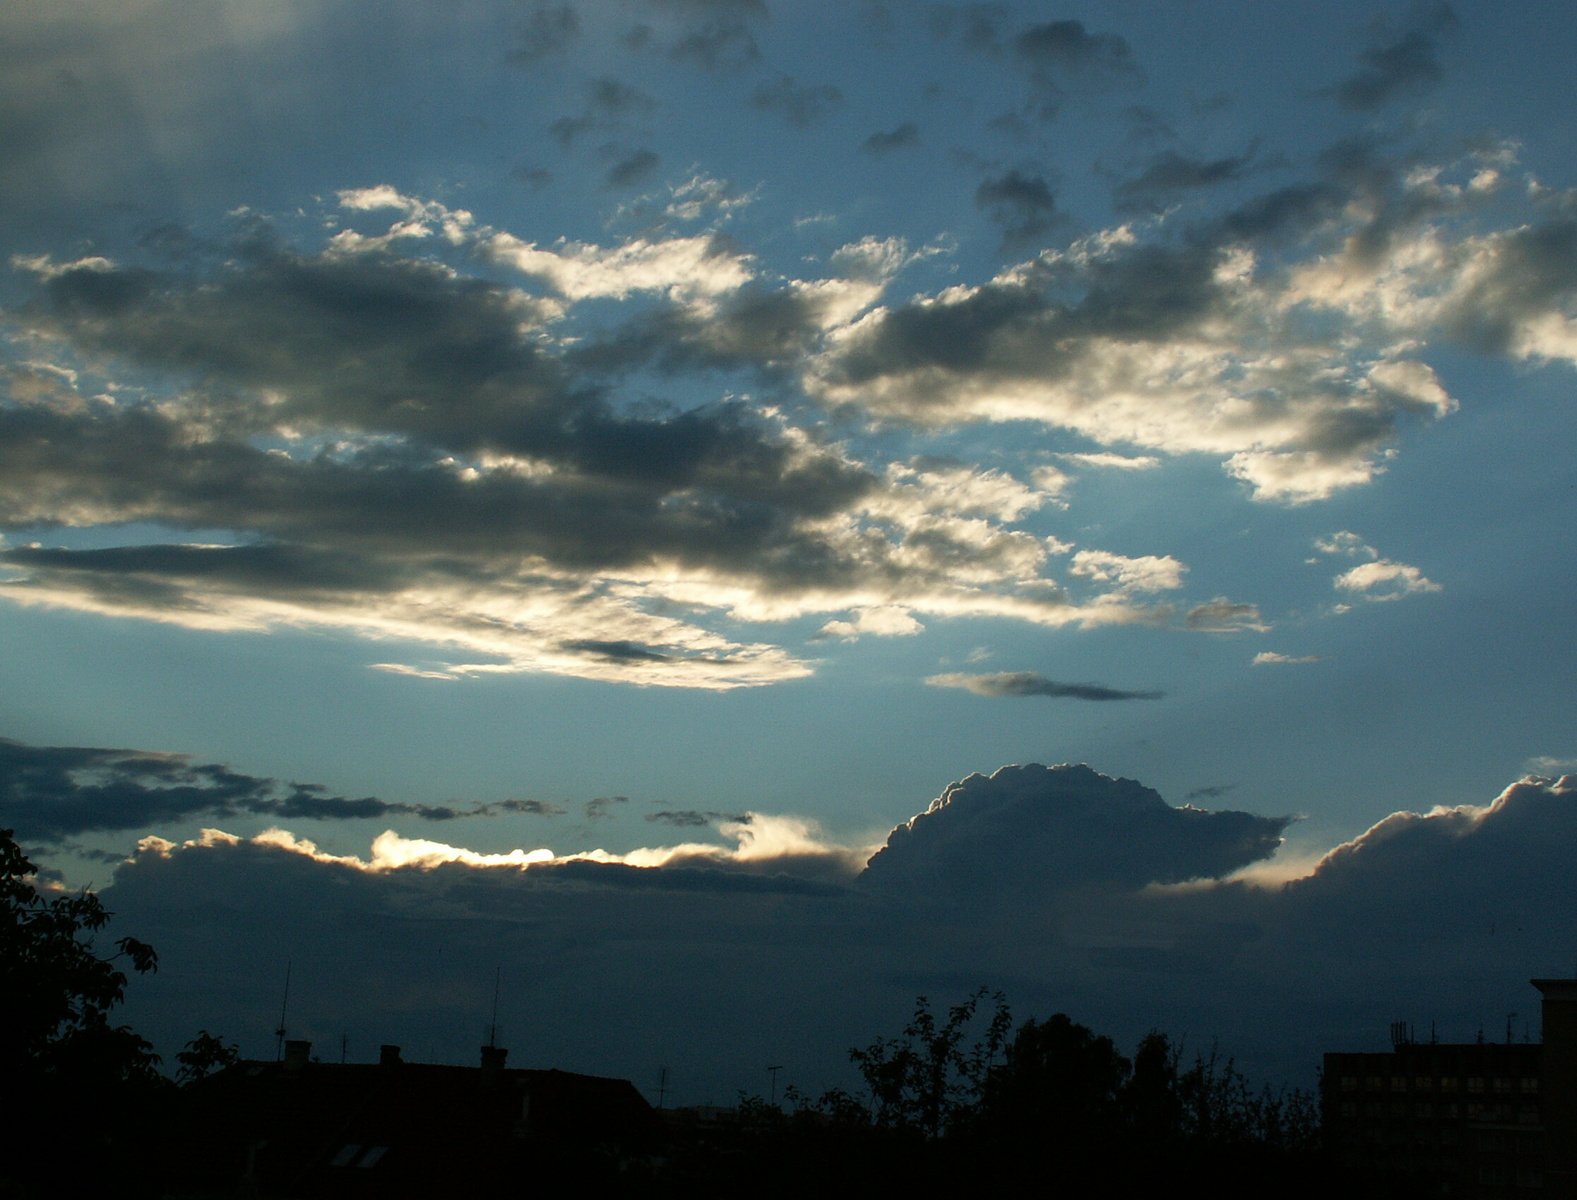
[[801, 105], [547, 30], [609, 106], [715, 35], [383, 430], [1377, 579], [1170, 173], [1118, 462], [1023, 205], [377, 439], [1385, 580], [632, 169], [888, 620], [1028, 683], [1346, 542], [51, 793], [1225, 616], [1271, 658], [602, 807], [1063, 56], [393, 444], [1025, 825], [1212, 791], [689, 818], [1451, 850], [1145, 573], [1405, 63], [1548, 764], [1284, 336], [900, 137], [1040, 880]]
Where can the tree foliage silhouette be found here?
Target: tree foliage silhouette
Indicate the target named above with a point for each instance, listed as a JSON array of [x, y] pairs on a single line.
[[203, 1055], [930, 1075], [59, 988], [85, 1100]]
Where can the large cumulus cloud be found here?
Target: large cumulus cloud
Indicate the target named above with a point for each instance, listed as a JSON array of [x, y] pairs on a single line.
[[769, 945], [1038, 829]]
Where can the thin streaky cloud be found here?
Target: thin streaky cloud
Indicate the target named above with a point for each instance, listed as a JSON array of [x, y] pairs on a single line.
[[1030, 683]]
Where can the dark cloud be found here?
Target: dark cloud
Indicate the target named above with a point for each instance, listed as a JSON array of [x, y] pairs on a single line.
[[1063, 56], [898, 138], [760, 326], [635, 168], [715, 35], [601, 807], [609, 106], [690, 818], [1224, 616], [1170, 173], [1059, 337], [719, 45], [1147, 125], [415, 366], [49, 793], [1212, 791], [1023, 205], [801, 105], [1032, 880], [535, 808], [535, 178], [621, 651], [1025, 825], [1405, 64], [546, 31], [976, 27], [1028, 683]]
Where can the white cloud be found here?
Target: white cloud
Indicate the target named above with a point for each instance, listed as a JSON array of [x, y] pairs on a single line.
[[1346, 542], [1119, 462], [888, 620], [1271, 657], [1385, 580], [1146, 573], [1548, 764], [685, 268], [1376, 578]]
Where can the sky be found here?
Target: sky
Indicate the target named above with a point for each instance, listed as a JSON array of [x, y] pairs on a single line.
[[552, 489]]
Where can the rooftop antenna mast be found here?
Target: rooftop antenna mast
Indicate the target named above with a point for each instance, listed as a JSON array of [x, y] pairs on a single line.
[[284, 1004], [492, 1028]]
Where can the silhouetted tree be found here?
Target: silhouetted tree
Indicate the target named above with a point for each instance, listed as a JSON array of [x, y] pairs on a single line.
[[58, 988], [929, 1075], [81, 1092], [204, 1055]]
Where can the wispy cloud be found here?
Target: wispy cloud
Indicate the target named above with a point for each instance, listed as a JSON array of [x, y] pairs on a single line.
[[1029, 683]]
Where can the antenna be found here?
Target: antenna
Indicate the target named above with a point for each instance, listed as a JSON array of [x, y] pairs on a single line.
[[662, 1085], [284, 1004], [492, 1029], [773, 1071]]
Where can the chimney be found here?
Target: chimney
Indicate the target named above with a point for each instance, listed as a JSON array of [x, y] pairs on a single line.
[[297, 1055], [388, 1056], [493, 1059]]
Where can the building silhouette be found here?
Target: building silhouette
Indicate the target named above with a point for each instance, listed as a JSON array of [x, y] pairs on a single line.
[[1474, 1119], [298, 1127]]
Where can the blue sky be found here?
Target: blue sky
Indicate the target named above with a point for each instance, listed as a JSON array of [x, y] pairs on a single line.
[[602, 422]]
